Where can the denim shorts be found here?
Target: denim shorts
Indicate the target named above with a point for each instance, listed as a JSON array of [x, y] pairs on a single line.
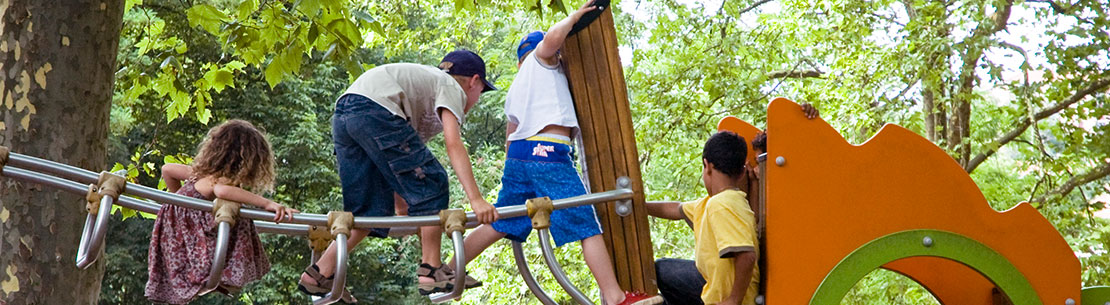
[[379, 153], [542, 168]]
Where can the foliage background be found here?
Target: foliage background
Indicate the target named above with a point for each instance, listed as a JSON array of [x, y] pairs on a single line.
[[186, 65]]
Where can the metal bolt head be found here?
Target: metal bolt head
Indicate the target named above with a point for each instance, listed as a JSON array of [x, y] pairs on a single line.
[[623, 182], [927, 241], [780, 160], [1071, 301], [623, 208], [759, 300]]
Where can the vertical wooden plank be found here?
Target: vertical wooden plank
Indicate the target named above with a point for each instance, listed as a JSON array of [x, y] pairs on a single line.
[[593, 67], [641, 225], [604, 115], [577, 79], [604, 67]]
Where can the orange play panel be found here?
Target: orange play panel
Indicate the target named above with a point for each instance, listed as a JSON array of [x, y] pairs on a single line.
[[831, 197]]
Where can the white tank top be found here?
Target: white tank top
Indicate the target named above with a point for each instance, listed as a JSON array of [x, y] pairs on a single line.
[[539, 96]]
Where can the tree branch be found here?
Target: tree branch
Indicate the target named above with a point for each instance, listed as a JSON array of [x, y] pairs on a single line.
[[794, 74], [1075, 181], [752, 7], [1024, 124], [973, 48]]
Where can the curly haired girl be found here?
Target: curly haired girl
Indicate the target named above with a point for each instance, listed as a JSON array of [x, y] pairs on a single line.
[[235, 157]]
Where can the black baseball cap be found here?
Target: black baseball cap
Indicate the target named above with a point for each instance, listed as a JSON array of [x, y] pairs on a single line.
[[463, 62]]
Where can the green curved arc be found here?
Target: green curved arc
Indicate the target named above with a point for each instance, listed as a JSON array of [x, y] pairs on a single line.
[[1097, 295], [905, 244]]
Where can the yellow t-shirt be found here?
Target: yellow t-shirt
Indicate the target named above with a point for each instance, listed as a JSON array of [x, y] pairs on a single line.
[[724, 226]]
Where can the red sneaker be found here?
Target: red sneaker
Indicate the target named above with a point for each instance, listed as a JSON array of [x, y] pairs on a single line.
[[637, 298]]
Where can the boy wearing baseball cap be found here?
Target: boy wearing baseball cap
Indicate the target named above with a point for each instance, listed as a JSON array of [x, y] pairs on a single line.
[[379, 128], [539, 161]]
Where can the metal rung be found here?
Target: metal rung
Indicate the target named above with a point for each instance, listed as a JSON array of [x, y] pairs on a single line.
[[522, 267]]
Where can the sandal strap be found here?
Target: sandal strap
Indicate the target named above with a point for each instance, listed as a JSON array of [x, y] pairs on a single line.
[[425, 270], [314, 272]]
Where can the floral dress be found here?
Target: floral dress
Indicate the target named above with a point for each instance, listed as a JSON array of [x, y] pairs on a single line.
[[182, 245]]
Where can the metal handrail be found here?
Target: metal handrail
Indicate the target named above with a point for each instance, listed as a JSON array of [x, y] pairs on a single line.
[[340, 281], [557, 270], [24, 168], [522, 267], [219, 259], [84, 176], [137, 203], [92, 238], [88, 250], [460, 272], [62, 170]]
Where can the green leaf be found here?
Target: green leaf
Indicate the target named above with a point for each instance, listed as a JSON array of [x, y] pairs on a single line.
[[235, 65], [246, 8], [144, 45], [163, 85], [219, 79], [181, 48], [204, 115], [131, 3], [333, 5], [274, 72], [207, 17], [125, 212], [464, 5], [557, 5], [201, 101], [377, 28], [117, 167], [309, 7], [348, 33]]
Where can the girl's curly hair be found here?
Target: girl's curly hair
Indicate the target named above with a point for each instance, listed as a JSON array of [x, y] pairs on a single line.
[[239, 152]]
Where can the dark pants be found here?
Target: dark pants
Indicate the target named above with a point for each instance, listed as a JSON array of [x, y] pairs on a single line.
[[379, 154], [679, 281]]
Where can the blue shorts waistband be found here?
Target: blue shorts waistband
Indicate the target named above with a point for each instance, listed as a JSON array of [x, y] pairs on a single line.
[[540, 151]]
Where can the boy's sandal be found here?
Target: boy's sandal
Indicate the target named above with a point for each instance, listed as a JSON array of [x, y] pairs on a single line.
[[323, 285], [441, 280], [470, 282]]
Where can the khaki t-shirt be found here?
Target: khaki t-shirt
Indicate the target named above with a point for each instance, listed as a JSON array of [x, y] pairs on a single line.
[[724, 225], [414, 92]]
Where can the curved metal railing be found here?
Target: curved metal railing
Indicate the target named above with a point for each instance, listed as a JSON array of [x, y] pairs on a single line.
[[71, 179]]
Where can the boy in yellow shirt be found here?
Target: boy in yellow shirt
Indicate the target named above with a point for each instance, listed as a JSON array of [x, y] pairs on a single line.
[[726, 246]]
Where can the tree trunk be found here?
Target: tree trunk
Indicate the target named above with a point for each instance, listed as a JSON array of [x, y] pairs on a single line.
[[57, 59]]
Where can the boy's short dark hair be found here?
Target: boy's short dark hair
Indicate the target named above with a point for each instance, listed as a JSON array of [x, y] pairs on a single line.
[[727, 151], [759, 142]]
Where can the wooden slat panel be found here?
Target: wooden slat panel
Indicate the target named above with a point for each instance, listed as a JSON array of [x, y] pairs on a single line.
[[577, 79], [594, 67], [604, 115], [641, 225], [604, 65]]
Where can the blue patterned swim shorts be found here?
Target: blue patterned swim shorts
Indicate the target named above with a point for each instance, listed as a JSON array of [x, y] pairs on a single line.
[[543, 168]]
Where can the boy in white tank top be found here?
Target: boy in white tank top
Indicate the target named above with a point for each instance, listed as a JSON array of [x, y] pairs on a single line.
[[539, 161]]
